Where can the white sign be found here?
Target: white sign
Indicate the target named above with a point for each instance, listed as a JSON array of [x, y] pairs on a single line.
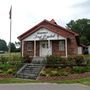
[[43, 34]]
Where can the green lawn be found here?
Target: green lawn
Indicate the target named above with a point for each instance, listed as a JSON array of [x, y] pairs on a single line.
[[7, 54], [85, 81]]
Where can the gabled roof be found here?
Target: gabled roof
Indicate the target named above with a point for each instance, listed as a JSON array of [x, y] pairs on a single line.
[[40, 25]]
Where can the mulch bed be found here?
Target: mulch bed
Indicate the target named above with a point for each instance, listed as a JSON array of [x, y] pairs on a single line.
[[6, 76], [69, 77]]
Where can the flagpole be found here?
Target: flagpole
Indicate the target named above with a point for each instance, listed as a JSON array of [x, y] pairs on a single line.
[[10, 17]]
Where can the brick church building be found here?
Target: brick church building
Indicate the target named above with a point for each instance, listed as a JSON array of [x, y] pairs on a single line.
[[48, 38]]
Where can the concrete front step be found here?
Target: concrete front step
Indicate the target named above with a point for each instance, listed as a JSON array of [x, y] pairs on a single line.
[[31, 70]]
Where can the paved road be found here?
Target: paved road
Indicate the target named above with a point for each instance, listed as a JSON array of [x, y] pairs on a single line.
[[44, 86]]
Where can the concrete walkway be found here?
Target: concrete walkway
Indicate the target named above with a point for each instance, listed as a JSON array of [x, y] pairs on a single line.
[[44, 86]]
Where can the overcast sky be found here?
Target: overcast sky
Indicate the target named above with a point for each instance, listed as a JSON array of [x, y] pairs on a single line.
[[27, 13]]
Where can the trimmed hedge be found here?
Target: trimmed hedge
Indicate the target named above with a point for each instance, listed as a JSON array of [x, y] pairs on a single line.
[[70, 61]]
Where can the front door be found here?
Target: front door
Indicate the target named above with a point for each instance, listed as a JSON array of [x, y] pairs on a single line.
[[44, 49]]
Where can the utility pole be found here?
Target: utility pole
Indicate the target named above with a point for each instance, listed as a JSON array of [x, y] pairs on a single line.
[[10, 17]]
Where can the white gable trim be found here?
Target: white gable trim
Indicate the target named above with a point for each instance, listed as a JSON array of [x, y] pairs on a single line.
[[43, 34]]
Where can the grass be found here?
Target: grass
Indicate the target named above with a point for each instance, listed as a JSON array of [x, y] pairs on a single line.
[[85, 81], [15, 80], [7, 54], [87, 56]]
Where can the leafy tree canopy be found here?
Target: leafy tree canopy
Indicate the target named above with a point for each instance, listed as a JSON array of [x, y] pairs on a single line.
[[81, 26], [3, 45], [13, 47]]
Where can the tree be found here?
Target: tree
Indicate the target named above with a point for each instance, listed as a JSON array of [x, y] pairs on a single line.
[[13, 47], [81, 26], [17, 44], [3, 45]]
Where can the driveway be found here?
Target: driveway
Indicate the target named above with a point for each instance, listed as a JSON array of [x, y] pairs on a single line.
[[45, 86]]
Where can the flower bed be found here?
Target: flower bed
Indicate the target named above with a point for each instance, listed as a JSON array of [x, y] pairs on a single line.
[[7, 76], [69, 77]]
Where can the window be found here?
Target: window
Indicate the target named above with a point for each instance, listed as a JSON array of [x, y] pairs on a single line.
[[62, 45], [45, 45], [29, 46]]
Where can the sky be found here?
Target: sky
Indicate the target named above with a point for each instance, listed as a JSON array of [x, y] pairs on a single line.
[[28, 13]]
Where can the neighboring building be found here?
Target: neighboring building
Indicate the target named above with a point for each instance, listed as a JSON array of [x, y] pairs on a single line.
[[88, 49], [48, 38], [82, 49]]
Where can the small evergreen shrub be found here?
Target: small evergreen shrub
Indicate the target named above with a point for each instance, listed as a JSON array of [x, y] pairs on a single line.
[[79, 60], [70, 61], [79, 69]]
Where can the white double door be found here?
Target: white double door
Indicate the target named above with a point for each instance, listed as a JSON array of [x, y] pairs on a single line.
[[45, 48]]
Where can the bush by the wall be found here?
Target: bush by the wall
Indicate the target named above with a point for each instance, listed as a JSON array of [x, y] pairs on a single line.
[[53, 60], [78, 69], [79, 60], [88, 62], [70, 60]]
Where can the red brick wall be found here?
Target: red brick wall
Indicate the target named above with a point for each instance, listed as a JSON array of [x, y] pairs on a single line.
[[55, 49], [71, 45], [26, 52]]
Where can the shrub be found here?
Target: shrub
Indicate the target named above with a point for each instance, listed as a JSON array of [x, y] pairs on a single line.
[[64, 73], [4, 66], [42, 73], [67, 69], [27, 59], [53, 73], [1, 71], [10, 71], [54, 60], [87, 68], [16, 57], [3, 59], [70, 61], [79, 60], [88, 62], [79, 69]]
